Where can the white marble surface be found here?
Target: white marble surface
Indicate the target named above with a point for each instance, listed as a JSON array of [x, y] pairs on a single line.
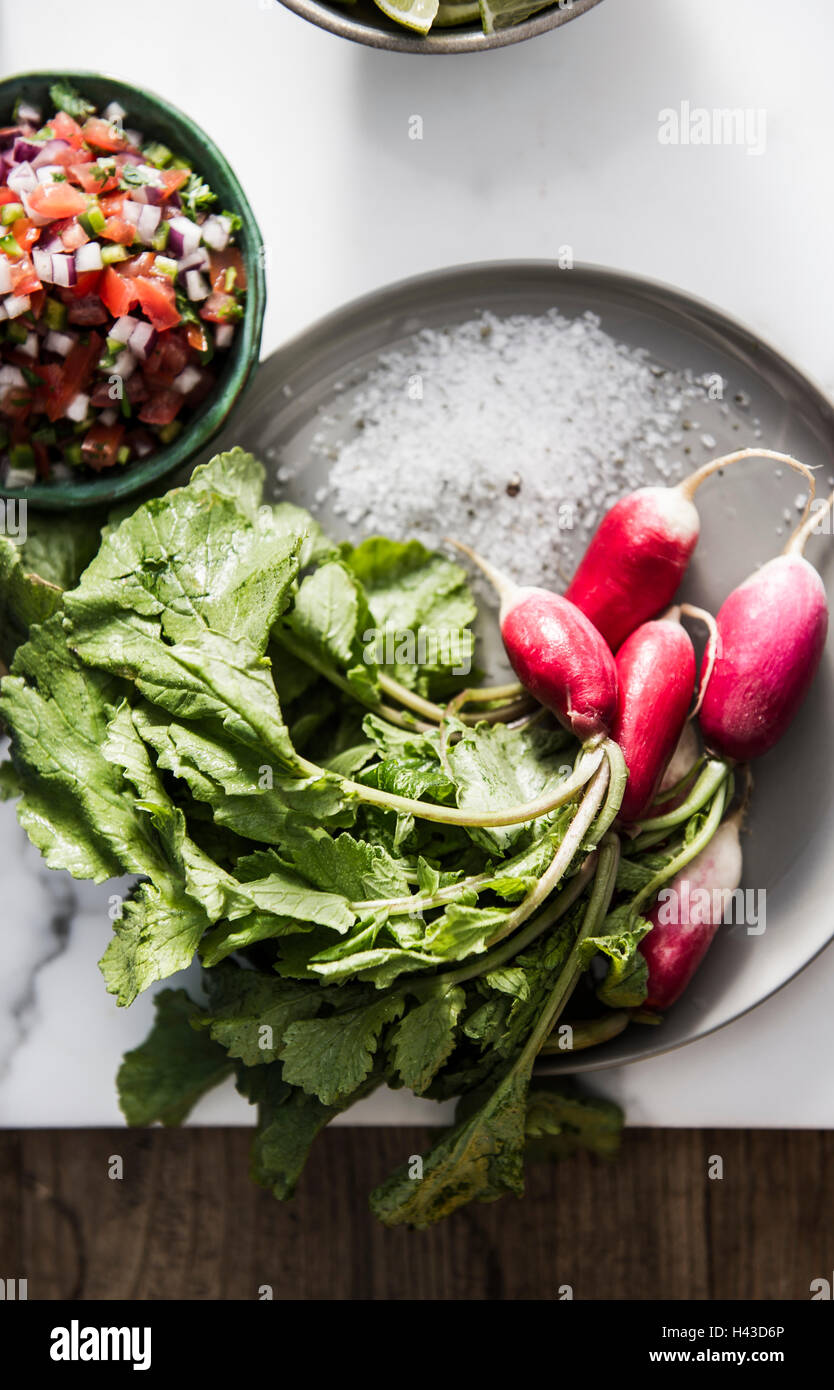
[[524, 150]]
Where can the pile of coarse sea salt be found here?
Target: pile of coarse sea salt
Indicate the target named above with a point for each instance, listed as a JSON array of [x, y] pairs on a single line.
[[514, 434]]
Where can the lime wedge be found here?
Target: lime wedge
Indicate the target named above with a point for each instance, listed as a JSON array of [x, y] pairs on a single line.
[[502, 14], [456, 12], [414, 14]]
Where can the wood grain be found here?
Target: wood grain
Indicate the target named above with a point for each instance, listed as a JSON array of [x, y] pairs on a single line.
[[185, 1222]]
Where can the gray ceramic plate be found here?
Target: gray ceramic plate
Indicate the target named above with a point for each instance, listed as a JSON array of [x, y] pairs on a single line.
[[364, 22], [306, 387]]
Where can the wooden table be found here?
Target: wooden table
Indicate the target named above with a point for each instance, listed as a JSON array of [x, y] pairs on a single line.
[[184, 1221]]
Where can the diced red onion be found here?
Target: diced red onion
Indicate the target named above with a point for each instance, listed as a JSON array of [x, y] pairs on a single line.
[[25, 150], [196, 285], [149, 219], [59, 471], [46, 172], [135, 137], [3, 168], [6, 276], [198, 260], [8, 137], [10, 375], [88, 257], [29, 114], [3, 314], [216, 231], [125, 364], [59, 343], [48, 153], [184, 236], [108, 417], [188, 378], [77, 408], [52, 239], [63, 270], [142, 444], [132, 211], [18, 477], [122, 328], [114, 112], [17, 304], [223, 335], [22, 178], [142, 339], [30, 347], [151, 192], [42, 261]]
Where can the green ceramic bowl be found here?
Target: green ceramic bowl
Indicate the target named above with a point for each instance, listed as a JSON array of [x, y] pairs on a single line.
[[159, 120]]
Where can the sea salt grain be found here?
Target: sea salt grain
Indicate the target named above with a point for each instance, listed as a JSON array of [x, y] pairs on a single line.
[[515, 434]]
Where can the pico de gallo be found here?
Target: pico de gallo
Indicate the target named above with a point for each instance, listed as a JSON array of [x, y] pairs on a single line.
[[119, 282]]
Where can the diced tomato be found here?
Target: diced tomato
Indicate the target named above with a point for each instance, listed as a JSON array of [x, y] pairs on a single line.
[[219, 308], [8, 195], [101, 444], [38, 299], [88, 311], [162, 408], [158, 302], [73, 236], [65, 128], [171, 180], [197, 340], [66, 158], [136, 390], [74, 374], [118, 292], [138, 265], [51, 375], [118, 230], [101, 397], [93, 178], [25, 233], [57, 200], [112, 204], [220, 263], [103, 135], [24, 279], [87, 283], [169, 356]]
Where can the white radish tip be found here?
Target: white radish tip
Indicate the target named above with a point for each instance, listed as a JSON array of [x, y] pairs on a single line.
[[689, 486], [503, 586]]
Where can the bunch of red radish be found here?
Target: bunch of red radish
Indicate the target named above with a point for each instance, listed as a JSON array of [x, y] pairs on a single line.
[[609, 668]]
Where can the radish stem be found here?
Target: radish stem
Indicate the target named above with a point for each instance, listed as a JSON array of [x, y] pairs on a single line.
[[602, 891], [504, 587], [587, 765], [558, 867], [689, 486], [685, 855], [714, 773], [502, 714], [618, 777], [590, 1032], [498, 955]]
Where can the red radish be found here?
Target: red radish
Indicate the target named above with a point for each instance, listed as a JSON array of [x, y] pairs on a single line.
[[656, 682], [688, 913], [771, 634], [557, 654], [638, 554]]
